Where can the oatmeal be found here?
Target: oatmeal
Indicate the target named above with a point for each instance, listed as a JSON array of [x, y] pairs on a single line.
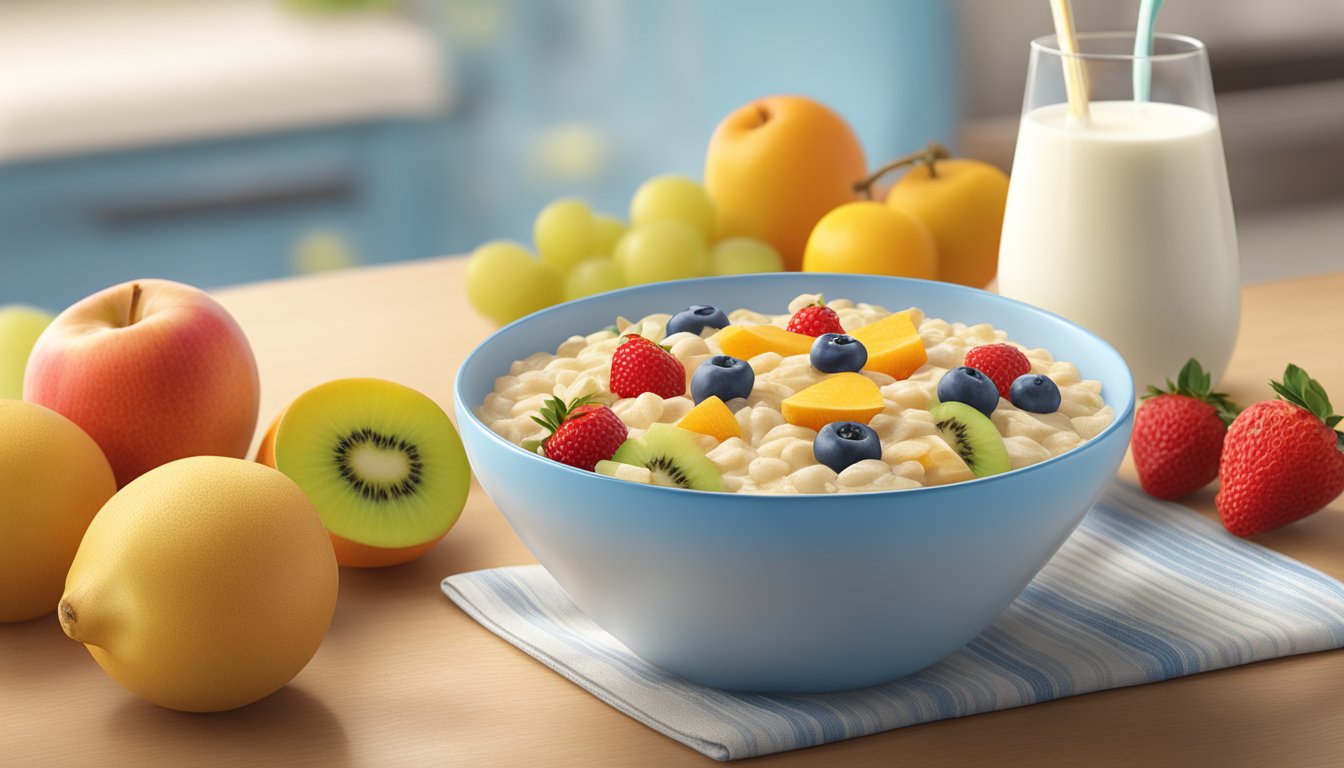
[[769, 455]]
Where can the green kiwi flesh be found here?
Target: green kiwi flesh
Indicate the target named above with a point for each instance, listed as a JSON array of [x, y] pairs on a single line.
[[624, 471], [973, 436], [381, 462], [671, 455]]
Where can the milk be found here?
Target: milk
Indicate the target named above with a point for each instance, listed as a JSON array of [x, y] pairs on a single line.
[[1124, 225]]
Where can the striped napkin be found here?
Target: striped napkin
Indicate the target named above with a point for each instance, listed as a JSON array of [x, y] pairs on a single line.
[[1142, 591]]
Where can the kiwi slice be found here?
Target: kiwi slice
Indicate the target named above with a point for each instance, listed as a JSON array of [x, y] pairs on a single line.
[[381, 462], [673, 458], [973, 436], [624, 472]]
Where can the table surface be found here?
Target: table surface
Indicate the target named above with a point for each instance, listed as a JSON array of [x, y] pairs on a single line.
[[404, 677]]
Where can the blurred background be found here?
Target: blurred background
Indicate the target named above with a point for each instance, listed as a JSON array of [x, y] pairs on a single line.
[[226, 141]]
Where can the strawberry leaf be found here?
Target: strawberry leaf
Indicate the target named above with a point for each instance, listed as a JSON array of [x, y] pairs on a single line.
[[1295, 378], [1301, 390], [1193, 378], [1194, 381], [555, 411], [1316, 400], [1282, 391]]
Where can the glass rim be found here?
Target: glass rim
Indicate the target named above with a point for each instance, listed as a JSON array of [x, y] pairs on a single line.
[[1050, 44]]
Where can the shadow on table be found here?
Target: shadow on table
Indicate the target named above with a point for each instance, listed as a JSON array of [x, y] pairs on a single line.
[[290, 727]]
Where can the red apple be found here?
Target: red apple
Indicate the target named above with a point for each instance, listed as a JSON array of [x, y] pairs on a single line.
[[153, 370]]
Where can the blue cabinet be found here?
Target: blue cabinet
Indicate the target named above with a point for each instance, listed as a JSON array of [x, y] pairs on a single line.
[[216, 213]]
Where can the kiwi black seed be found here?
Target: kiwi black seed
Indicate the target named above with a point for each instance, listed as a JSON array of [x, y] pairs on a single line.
[[381, 489], [973, 436], [671, 454]]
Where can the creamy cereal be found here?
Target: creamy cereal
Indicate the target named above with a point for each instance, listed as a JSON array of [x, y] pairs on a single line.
[[773, 456]]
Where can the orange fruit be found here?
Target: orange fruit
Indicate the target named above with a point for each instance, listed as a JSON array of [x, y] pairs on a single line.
[[871, 238], [775, 166], [961, 203]]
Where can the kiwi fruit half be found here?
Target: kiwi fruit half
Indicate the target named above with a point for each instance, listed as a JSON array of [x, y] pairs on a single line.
[[973, 436], [381, 462], [672, 457]]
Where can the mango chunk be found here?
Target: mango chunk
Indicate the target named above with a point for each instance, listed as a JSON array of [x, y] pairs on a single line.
[[842, 397], [711, 417], [893, 345], [747, 341]]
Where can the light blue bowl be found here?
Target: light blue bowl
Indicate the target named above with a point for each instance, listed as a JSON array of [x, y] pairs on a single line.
[[794, 594]]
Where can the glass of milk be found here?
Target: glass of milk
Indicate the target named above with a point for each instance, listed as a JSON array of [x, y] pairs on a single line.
[[1121, 221]]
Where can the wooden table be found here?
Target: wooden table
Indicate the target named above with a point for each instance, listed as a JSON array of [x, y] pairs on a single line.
[[405, 678]]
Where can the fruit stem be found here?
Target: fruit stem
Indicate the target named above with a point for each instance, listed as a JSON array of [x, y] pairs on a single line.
[[66, 613], [135, 305], [762, 115], [929, 155]]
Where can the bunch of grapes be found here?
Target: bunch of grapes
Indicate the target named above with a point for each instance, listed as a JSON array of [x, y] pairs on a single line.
[[580, 253]]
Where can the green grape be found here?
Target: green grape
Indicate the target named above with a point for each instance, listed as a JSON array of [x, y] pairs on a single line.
[[505, 282], [563, 232], [19, 328], [607, 231], [742, 255], [596, 275], [663, 250], [673, 198]]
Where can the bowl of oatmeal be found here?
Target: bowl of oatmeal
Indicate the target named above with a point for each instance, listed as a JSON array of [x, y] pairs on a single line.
[[791, 576]]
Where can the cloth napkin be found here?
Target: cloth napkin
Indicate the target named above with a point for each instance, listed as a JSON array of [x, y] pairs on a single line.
[[1143, 591]]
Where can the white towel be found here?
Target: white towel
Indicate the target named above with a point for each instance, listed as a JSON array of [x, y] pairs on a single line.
[[1143, 591]]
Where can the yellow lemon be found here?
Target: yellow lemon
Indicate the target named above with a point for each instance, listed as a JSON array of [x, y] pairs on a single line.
[[203, 585], [871, 238], [53, 479]]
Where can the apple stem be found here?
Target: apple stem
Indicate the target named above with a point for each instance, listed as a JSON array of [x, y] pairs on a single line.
[[135, 304], [762, 115], [929, 156]]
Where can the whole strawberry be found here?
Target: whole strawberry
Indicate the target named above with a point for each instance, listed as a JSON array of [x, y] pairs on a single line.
[[1178, 434], [638, 366], [1002, 363], [814, 320], [582, 433], [1282, 459]]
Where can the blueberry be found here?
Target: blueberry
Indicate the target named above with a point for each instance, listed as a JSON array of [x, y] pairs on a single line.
[[724, 376], [970, 386], [842, 443], [1035, 393], [837, 352], [697, 318]]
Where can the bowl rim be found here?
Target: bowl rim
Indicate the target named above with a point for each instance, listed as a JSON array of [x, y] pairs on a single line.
[[1123, 415]]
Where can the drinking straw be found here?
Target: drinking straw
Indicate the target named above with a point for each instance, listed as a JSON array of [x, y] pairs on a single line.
[[1075, 77], [1143, 49]]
